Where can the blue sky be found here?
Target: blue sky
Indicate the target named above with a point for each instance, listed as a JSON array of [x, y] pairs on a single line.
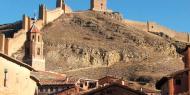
[[174, 14]]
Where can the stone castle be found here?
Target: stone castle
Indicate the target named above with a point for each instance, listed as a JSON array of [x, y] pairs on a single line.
[[11, 45], [30, 37]]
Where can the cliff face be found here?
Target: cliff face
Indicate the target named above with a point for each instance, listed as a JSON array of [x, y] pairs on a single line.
[[94, 44]]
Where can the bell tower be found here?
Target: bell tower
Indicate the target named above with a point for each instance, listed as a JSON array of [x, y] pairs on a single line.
[[34, 49]]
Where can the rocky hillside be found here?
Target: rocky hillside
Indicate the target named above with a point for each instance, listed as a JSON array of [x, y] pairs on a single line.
[[95, 44]]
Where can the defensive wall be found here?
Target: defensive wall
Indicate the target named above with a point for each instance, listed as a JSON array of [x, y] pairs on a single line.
[[154, 27], [12, 45]]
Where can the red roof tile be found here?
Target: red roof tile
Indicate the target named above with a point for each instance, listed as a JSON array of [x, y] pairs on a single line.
[[34, 29], [49, 78]]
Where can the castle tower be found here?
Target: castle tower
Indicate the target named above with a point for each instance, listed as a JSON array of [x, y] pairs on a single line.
[[43, 13], [34, 49], [99, 5], [59, 3]]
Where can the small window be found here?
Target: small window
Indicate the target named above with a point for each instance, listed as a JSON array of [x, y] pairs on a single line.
[[38, 52], [152, 26], [32, 37], [51, 89], [41, 89], [81, 85], [101, 5], [178, 82], [5, 79], [38, 38]]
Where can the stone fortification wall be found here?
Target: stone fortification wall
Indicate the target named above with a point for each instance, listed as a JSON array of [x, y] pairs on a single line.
[[182, 36], [67, 9], [154, 27], [54, 14], [12, 45], [136, 24]]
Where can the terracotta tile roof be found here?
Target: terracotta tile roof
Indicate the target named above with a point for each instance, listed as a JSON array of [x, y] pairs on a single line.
[[49, 78], [17, 62], [34, 29], [111, 85], [166, 78]]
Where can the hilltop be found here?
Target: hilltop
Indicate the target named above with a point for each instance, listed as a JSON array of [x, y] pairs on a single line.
[[94, 44]]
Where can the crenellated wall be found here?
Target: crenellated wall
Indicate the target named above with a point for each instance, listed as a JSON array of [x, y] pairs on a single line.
[[12, 45], [136, 24], [154, 27], [54, 14]]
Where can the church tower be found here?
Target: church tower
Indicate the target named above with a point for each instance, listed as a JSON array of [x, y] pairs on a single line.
[[34, 49]]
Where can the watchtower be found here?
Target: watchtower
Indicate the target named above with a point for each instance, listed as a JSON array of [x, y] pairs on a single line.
[[99, 5]]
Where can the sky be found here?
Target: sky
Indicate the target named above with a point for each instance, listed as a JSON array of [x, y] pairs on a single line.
[[174, 14]]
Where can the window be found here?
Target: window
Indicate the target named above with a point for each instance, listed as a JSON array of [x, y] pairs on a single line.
[[101, 5], [38, 38], [178, 82], [38, 51], [5, 79], [152, 26], [41, 89], [51, 89], [32, 37]]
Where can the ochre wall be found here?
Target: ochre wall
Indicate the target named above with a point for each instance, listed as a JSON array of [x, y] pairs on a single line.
[[12, 45], [154, 27], [2, 42], [136, 24], [99, 5], [18, 78], [67, 9], [54, 14]]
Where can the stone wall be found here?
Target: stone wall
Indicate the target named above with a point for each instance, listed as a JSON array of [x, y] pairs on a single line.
[[12, 45], [154, 27], [18, 78], [54, 14], [136, 24], [2, 42], [99, 5], [67, 9]]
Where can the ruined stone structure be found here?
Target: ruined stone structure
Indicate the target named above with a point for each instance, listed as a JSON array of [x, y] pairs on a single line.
[[34, 49], [99, 5]]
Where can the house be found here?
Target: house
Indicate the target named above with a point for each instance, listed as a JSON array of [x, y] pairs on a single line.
[[177, 82], [15, 77], [114, 89], [51, 82], [109, 80], [87, 84], [70, 91]]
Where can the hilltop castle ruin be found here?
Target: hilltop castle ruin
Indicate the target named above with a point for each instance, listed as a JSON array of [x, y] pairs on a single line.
[[10, 45]]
